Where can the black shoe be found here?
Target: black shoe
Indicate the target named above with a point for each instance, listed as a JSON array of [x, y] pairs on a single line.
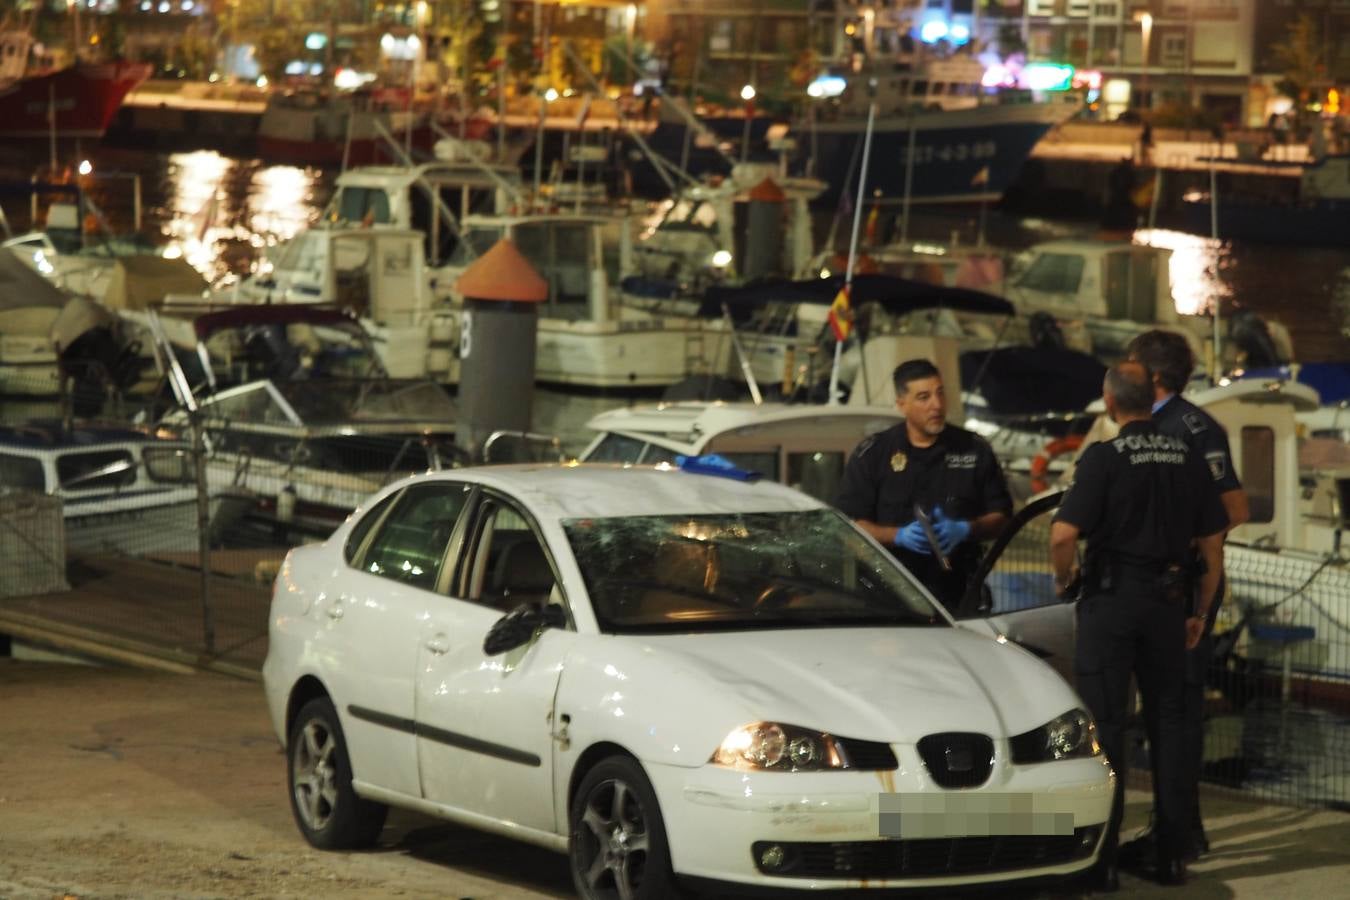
[[1199, 842], [1103, 878], [1171, 872], [1138, 853]]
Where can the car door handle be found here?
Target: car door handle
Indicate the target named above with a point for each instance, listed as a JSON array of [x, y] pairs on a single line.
[[438, 645], [335, 610]]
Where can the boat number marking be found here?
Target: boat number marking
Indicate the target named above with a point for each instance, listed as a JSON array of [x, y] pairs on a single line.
[[465, 334]]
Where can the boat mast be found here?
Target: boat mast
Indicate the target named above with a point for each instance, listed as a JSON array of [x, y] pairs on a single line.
[[853, 240], [1215, 363]]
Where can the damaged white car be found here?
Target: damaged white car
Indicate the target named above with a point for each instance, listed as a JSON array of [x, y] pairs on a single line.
[[677, 679]]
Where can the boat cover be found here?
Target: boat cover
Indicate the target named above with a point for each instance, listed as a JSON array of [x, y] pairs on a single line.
[[1026, 380], [895, 295]]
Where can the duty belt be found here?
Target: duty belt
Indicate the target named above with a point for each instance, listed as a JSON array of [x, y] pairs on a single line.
[[1170, 581]]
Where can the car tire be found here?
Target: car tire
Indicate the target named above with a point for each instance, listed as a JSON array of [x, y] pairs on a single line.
[[616, 832], [327, 810]]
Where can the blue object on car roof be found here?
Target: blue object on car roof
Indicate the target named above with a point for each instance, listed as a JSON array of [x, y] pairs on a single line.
[[715, 464]]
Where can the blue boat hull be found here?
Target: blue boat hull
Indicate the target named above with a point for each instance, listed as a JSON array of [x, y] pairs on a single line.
[[1321, 225]]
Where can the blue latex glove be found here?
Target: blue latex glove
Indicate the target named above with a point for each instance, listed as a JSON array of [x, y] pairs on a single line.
[[913, 539], [951, 533]]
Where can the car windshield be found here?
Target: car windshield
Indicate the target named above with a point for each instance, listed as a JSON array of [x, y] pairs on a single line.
[[805, 569]]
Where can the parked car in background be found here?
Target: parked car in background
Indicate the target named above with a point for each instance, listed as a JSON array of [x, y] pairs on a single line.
[[675, 678]]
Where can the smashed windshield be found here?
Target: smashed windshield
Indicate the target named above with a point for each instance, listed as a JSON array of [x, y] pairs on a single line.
[[805, 569]]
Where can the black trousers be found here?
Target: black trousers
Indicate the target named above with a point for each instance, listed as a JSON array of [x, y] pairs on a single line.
[[1132, 631]]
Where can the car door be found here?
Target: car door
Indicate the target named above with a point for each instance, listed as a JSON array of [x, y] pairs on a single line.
[[1013, 591], [485, 722], [373, 612]]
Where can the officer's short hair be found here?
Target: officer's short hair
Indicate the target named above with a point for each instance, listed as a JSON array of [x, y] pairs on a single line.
[[912, 370], [1167, 354], [1131, 384]]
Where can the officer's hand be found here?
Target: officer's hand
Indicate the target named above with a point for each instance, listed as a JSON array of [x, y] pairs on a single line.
[[913, 539], [1195, 630], [951, 533]]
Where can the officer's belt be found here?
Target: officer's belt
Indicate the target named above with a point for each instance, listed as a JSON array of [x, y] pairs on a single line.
[[1107, 572]]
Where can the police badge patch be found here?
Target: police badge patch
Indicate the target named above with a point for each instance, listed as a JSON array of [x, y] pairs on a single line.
[[1218, 465], [1194, 421], [898, 462]]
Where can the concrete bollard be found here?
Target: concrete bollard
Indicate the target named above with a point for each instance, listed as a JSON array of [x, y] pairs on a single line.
[[764, 232], [498, 330]]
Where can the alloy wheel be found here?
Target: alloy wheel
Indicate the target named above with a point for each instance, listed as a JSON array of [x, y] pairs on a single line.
[[614, 840]]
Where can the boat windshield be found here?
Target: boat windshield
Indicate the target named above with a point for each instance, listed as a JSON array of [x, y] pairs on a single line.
[[741, 571], [285, 352]]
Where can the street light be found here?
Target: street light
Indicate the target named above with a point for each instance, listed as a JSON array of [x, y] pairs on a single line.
[[1146, 27]]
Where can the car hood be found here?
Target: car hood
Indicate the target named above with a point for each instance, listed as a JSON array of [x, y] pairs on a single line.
[[884, 684]]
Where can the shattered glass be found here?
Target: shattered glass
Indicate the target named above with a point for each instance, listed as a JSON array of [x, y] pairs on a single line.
[[806, 569]]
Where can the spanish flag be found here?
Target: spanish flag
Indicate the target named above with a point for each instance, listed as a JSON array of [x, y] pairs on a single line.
[[841, 315]]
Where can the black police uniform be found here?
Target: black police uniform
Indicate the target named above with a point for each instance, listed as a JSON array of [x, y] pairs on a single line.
[[1139, 500], [1181, 418], [887, 475]]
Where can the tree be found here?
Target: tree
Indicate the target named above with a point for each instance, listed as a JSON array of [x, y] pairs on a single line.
[[1301, 57]]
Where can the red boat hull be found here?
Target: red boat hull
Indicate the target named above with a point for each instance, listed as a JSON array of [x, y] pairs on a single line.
[[85, 96]]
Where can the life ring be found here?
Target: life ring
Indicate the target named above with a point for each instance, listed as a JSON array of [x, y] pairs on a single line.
[[1041, 464]]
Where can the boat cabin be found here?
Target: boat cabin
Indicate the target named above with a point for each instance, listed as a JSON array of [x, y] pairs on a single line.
[[802, 445], [419, 197]]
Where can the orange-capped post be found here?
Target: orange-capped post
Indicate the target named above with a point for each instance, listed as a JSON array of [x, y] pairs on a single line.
[[497, 334]]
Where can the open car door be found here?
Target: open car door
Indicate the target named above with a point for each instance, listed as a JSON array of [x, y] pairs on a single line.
[[1013, 591]]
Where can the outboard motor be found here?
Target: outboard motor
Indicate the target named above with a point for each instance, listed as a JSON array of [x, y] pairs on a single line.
[[1252, 336], [1045, 331]]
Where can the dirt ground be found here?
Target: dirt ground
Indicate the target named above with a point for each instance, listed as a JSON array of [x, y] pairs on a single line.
[[121, 783]]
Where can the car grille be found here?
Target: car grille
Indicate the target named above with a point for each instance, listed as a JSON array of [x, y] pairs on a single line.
[[867, 754], [924, 858], [957, 759]]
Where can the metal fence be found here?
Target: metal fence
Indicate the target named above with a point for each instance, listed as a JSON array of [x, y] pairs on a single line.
[[1277, 708]]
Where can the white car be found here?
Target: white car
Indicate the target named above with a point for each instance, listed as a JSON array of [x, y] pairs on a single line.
[[676, 678]]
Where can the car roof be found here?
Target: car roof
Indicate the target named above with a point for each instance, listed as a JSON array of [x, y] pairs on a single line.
[[579, 490]]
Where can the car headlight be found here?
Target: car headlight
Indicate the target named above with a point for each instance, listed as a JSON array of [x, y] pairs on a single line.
[[778, 748], [1070, 736]]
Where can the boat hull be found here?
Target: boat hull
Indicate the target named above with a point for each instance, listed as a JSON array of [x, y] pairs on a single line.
[[1321, 225], [163, 522], [969, 155], [85, 96]]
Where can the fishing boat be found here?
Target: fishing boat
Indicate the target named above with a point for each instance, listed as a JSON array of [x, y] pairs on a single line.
[[122, 490], [39, 100], [296, 408], [1317, 215]]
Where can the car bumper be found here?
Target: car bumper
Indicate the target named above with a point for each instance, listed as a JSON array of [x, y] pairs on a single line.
[[1035, 821]]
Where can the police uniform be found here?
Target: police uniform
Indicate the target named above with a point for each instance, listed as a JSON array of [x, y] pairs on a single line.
[[887, 475], [1139, 501], [1181, 418]]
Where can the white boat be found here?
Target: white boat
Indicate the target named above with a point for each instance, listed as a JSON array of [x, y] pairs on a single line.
[[804, 445], [297, 410], [122, 491]]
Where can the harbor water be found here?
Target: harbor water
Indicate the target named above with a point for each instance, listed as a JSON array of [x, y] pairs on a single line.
[[222, 214]]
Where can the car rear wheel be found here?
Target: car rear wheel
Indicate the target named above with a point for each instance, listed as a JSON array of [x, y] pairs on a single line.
[[618, 845], [327, 810]]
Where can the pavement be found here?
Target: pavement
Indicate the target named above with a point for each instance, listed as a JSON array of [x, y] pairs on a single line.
[[119, 782]]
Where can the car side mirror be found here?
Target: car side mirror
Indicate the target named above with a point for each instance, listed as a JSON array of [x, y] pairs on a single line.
[[517, 628]]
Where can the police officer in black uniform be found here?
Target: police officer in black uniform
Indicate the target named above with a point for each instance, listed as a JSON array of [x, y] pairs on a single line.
[[950, 473], [1169, 358], [1145, 504]]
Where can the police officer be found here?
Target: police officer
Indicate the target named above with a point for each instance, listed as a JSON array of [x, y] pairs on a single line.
[[1169, 358], [1144, 503], [950, 473]]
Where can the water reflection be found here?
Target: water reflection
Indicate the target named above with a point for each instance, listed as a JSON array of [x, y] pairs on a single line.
[[205, 222], [1194, 270]]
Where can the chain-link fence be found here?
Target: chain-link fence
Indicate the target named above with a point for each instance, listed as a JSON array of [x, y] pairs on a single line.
[[1277, 701]]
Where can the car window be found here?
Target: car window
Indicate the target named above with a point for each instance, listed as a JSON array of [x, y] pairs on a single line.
[[357, 536], [618, 448], [1015, 574], [21, 472], [411, 542], [817, 473], [741, 571], [101, 469], [508, 565]]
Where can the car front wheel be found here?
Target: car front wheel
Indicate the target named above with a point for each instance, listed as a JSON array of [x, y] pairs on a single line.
[[618, 843], [330, 815]]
